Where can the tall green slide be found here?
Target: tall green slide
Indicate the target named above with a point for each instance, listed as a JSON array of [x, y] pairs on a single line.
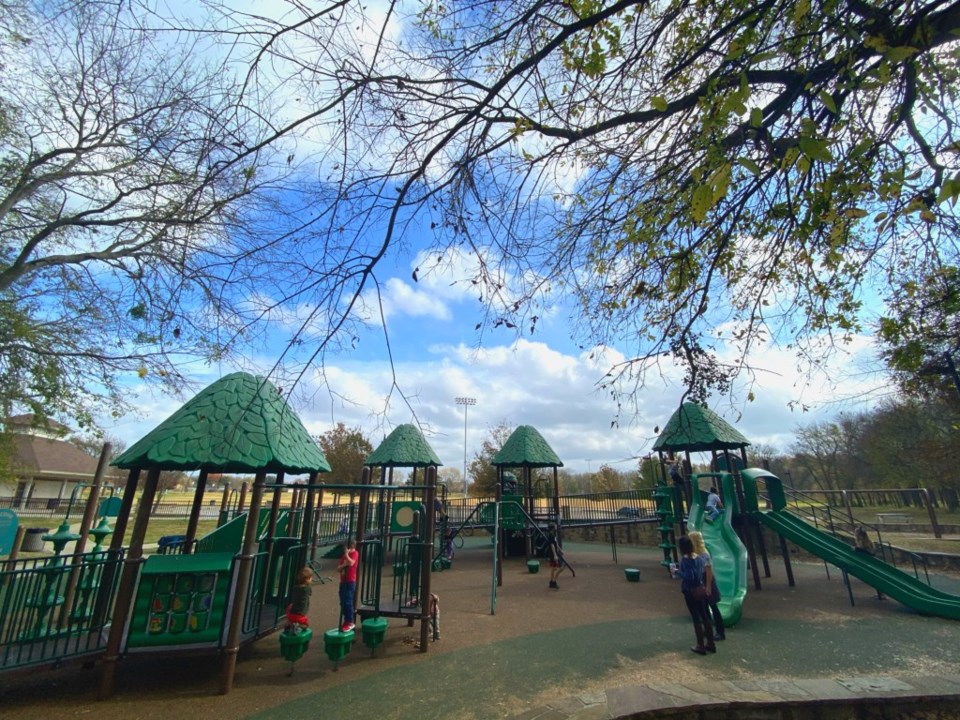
[[887, 579], [727, 553]]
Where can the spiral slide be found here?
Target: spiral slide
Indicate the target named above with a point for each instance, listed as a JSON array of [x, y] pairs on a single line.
[[727, 553]]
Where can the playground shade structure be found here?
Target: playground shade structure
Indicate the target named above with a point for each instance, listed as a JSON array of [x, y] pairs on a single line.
[[883, 577], [727, 554]]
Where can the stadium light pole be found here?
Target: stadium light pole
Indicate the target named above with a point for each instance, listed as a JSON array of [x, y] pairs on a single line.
[[466, 402]]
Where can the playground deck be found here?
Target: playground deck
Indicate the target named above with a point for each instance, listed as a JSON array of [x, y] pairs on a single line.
[[599, 645]]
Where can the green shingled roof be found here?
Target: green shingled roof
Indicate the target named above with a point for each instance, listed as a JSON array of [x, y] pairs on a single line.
[[404, 447], [526, 448], [695, 428], [240, 423]]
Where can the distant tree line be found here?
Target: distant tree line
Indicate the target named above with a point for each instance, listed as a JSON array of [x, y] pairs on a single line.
[[904, 443]]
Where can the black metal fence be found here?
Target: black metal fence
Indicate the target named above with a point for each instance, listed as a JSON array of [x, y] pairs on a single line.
[[55, 608]]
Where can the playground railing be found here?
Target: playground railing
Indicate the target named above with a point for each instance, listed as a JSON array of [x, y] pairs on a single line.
[[606, 508], [255, 602], [840, 524], [55, 608]]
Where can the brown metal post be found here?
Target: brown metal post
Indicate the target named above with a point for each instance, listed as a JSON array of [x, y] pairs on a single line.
[[363, 504], [498, 529], [556, 496], [786, 560], [243, 498], [15, 550], [426, 557], [225, 500], [89, 512], [240, 591], [128, 582], [195, 509], [274, 513], [306, 524], [126, 507], [747, 525], [315, 516], [104, 594]]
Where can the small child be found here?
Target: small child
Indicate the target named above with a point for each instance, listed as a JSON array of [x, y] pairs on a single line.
[[863, 542], [435, 615], [300, 600], [448, 537], [713, 506]]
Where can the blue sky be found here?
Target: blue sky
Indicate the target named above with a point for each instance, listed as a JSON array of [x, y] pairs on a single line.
[[542, 380]]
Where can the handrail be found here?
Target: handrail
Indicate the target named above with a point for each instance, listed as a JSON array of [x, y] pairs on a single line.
[[814, 509]]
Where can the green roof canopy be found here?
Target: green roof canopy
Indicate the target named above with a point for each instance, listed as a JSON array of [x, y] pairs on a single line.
[[695, 428], [240, 423], [526, 448], [404, 447]]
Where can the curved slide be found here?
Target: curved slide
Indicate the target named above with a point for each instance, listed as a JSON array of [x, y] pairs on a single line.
[[887, 579], [727, 553]]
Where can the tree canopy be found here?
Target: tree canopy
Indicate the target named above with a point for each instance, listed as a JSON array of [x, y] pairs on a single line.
[[346, 449], [920, 340], [701, 177], [125, 155]]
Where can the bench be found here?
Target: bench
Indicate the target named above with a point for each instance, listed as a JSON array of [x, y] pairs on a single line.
[[895, 518]]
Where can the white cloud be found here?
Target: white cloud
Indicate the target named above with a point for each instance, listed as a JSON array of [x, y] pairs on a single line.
[[531, 383]]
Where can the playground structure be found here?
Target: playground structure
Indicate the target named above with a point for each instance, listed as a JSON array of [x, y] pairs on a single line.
[[219, 592]]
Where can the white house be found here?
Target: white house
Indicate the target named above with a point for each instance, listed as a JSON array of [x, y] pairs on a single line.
[[47, 468]]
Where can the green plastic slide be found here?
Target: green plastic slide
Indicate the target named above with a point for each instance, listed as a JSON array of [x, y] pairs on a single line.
[[727, 553], [887, 579]]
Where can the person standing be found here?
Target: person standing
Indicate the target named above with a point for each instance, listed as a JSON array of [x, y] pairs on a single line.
[[435, 616], [348, 565], [679, 484], [690, 572], [555, 554], [710, 581]]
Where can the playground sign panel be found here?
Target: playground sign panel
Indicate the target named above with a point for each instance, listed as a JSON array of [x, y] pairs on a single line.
[[8, 530]]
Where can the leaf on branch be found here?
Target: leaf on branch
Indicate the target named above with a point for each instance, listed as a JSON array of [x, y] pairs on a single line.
[[899, 54], [949, 191], [827, 100], [815, 149], [701, 203], [750, 165]]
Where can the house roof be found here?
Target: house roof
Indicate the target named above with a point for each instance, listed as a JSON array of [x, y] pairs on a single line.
[[44, 458], [694, 428], [29, 421], [526, 448], [240, 423], [404, 447]]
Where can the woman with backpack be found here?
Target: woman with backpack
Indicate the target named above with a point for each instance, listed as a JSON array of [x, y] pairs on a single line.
[[710, 581], [690, 572]]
